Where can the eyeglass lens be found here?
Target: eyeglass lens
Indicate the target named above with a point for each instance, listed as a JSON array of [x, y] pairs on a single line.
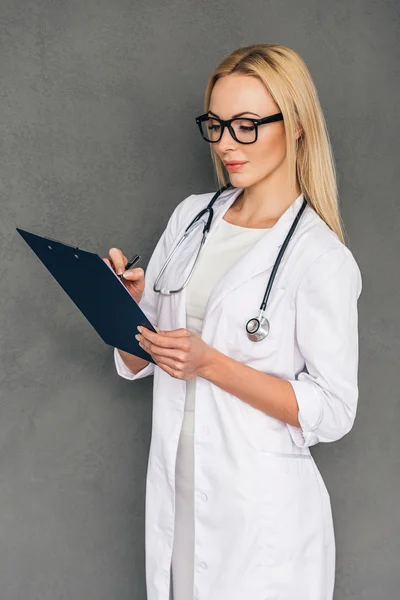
[[244, 129]]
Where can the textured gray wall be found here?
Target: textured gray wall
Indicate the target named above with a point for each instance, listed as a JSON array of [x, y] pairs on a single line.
[[98, 144]]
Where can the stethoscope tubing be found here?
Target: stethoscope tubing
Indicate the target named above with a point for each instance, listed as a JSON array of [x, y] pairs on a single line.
[[261, 329]]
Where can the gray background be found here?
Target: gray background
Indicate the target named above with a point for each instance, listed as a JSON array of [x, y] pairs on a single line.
[[98, 145]]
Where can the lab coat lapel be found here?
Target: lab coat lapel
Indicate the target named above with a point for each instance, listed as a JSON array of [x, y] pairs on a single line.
[[185, 257], [260, 258]]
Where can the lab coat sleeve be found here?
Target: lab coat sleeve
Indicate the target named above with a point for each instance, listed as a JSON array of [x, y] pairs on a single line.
[[124, 371], [327, 335], [148, 302]]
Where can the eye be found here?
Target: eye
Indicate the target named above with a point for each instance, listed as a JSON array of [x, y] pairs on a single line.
[[244, 126], [247, 127]]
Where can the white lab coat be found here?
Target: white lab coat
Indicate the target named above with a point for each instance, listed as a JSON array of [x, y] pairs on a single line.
[[263, 521]]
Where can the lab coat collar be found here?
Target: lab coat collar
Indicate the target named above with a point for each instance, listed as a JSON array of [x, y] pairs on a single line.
[[261, 257]]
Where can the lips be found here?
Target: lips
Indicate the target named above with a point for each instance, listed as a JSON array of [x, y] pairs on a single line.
[[235, 166]]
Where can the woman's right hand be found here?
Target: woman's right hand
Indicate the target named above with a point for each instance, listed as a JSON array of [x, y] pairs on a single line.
[[133, 279]]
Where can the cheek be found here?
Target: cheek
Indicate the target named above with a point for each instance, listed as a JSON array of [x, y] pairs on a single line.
[[268, 151]]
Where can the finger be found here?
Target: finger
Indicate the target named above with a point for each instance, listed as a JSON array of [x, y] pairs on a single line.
[[177, 333], [161, 340], [176, 354], [118, 259], [169, 333], [169, 366], [171, 363], [134, 274]]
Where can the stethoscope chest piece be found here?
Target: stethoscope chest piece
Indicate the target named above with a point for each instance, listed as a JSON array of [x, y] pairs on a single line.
[[257, 329]]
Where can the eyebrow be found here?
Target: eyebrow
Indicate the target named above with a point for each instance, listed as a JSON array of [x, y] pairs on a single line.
[[247, 112]]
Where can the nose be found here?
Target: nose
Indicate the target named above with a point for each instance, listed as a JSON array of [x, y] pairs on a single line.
[[227, 142]]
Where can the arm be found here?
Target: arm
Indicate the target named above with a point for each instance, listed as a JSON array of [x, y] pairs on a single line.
[[269, 394], [319, 405], [128, 365]]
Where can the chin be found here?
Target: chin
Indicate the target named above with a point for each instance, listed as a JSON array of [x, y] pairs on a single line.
[[239, 180], [239, 177]]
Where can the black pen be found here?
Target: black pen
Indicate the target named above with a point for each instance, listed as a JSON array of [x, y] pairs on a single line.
[[131, 263]]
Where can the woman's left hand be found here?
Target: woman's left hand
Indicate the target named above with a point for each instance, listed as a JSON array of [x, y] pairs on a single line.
[[179, 352]]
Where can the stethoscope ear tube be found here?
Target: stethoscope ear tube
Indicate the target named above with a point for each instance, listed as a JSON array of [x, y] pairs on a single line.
[[209, 208]]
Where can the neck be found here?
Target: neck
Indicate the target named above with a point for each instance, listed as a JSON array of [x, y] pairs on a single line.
[[264, 202]]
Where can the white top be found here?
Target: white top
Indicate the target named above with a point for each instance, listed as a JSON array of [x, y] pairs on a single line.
[[224, 248], [227, 244]]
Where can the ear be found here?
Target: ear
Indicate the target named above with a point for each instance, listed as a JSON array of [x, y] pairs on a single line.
[[299, 133]]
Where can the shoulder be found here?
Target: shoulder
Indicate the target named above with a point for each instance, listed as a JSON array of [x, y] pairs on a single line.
[[188, 207], [193, 204], [320, 255]]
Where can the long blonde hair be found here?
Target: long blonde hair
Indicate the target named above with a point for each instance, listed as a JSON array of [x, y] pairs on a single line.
[[288, 80]]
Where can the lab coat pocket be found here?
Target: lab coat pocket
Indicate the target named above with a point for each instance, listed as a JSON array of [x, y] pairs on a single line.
[[292, 508], [244, 305]]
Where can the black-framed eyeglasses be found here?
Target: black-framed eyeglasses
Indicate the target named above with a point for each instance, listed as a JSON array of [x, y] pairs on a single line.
[[243, 130]]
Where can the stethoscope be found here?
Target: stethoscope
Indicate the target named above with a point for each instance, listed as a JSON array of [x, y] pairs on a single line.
[[258, 328]]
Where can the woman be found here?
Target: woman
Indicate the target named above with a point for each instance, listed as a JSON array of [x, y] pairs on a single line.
[[236, 507]]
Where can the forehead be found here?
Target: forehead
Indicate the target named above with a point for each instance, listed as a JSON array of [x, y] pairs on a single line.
[[237, 93]]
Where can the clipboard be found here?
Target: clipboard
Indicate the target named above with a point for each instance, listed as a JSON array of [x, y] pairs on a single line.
[[95, 289]]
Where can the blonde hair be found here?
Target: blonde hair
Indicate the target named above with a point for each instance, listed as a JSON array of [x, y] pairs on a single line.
[[310, 157]]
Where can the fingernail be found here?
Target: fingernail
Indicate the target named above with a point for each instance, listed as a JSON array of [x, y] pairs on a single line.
[[124, 275], [137, 336], [120, 271], [139, 328]]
